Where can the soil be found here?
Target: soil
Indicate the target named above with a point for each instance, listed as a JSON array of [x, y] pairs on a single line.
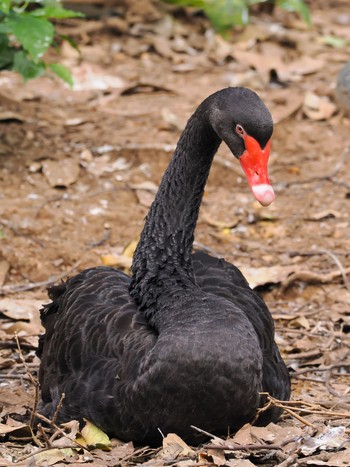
[[78, 171]]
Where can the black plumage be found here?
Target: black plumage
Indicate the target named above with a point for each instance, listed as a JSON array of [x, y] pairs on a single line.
[[184, 341]]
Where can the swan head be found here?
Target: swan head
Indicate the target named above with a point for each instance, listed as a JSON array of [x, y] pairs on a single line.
[[243, 122]]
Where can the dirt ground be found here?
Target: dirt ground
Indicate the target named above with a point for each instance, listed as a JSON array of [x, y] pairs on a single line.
[[79, 169]]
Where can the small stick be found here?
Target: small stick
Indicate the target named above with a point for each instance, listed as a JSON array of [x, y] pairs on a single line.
[[298, 417], [13, 345], [68, 446], [251, 447], [35, 383], [9, 289], [44, 435], [21, 377], [49, 422], [210, 435], [58, 408], [326, 368]]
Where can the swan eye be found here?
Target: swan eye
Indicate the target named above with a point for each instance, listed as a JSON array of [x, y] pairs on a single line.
[[240, 130]]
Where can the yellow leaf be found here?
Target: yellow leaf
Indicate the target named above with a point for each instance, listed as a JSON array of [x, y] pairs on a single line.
[[130, 248], [226, 231], [94, 437]]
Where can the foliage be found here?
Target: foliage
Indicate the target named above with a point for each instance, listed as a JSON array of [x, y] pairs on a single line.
[[224, 14], [26, 32]]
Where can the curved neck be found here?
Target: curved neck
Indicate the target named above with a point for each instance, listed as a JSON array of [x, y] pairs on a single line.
[[163, 256]]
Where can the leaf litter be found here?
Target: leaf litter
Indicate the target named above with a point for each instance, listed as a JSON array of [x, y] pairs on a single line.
[[140, 75]]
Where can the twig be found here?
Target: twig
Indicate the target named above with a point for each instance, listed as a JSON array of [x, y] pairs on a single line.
[[20, 377], [326, 368], [206, 433], [68, 446], [271, 401], [312, 277], [340, 266], [286, 405], [9, 289], [101, 241], [44, 435], [35, 383], [251, 447], [13, 345], [54, 425], [329, 177], [58, 408], [295, 415], [50, 200]]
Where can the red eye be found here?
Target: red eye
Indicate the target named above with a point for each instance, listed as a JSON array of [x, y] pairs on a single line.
[[240, 130]]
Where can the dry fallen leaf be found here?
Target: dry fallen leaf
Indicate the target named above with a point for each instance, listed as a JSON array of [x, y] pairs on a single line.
[[174, 446], [318, 108], [20, 430], [52, 456], [4, 268], [20, 309], [266, 275], [331, 438], [8, 116], [103, 165]]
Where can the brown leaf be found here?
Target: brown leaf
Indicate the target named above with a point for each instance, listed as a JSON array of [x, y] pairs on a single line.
[[9, 116], [4, 268], [14, 401], [284, 104], [318, 108], [266, 275], [20, 430], [218, 456], [174, 446], [20, 309]]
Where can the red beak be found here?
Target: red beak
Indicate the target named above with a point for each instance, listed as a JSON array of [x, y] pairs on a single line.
[[254, 163]]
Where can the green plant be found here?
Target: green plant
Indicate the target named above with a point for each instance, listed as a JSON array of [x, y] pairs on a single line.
[[26, 32], [223, 14]]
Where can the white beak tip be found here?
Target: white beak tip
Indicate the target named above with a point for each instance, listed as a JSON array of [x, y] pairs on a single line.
[[263, 193]]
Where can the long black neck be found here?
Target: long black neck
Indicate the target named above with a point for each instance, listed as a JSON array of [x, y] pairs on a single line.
[[163, 256]]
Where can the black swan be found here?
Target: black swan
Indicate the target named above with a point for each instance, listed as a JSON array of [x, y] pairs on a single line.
[[184, 341]]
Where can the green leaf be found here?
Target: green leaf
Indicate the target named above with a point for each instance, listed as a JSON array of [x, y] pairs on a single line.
[[334, 41], [54, 11], [223, 14], [6, 52], [5, 6], [34, 34], [26, 67], [226, 13], [70, 41], [299, 6], [4, 28], [62, 72]]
